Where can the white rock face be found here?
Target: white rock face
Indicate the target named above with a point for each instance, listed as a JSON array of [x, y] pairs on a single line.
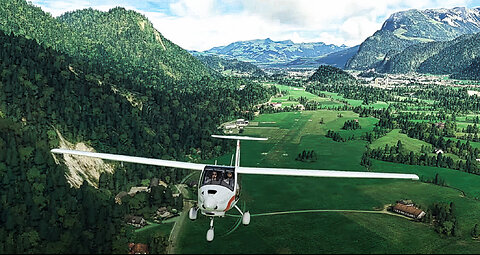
[[458, 20], [81, 168]]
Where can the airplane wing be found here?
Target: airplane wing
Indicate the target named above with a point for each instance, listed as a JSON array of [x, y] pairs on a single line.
[[131, 159], [241, 170], [323, 173]]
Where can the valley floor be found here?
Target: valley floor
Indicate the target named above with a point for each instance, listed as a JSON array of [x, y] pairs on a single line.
[[331, 227]]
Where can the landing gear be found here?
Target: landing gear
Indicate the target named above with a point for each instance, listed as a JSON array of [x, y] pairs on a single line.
[[245, 216], [192, 214], [210, 232]]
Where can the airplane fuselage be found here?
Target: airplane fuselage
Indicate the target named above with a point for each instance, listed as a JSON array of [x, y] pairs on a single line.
[[218, 190]]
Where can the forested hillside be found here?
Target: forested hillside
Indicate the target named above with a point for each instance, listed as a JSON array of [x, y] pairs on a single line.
[[411, 58], [375, 48], [49, 82], [472, 72], [130, 38], [447, 57], [331, 75], [453, 58], [117, 39], [40, 213], [42, 91]]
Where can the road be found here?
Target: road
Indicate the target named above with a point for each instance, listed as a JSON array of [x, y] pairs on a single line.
[[177, 226]]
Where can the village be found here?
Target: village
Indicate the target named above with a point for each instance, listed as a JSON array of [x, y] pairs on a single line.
[[390, 81]]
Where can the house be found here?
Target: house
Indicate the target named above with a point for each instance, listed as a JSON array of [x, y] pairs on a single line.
[[478, 159], [301, 107], [408, 210], [135, 190], [438, 151], [135, 221], [138, 248], [242, 122], [439, 125], [164, 214], [276, 105]]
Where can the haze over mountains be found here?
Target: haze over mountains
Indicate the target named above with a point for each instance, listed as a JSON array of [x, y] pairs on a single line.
[[438, 41]]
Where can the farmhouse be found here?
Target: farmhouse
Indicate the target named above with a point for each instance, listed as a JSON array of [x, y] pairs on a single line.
[[135, 221], [440, 125], [408, 210], [438, 151]]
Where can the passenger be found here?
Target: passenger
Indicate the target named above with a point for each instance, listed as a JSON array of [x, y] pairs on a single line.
[[229, 182]]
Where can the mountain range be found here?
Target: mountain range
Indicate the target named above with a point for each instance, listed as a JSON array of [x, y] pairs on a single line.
[[407, 28], [264, 52], [408, 41]]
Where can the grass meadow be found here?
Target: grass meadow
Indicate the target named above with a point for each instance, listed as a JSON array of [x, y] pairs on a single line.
[[290, 133]]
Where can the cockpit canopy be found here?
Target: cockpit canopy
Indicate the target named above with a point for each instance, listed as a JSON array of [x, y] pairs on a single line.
[[219, 175]]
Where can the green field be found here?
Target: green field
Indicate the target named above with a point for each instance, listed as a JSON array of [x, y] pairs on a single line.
[[354, 102], [332, 232], [394, 136], [294, 93]]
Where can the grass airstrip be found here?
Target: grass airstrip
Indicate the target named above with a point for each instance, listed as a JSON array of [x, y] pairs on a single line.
[[332, 231]]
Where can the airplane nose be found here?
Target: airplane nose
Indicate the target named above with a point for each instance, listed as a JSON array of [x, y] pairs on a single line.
[[210, 203]]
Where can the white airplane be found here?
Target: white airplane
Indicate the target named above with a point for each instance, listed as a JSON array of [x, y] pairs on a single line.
[[218, 186]]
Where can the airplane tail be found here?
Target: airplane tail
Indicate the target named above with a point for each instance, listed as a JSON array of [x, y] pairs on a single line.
[[238, 138]]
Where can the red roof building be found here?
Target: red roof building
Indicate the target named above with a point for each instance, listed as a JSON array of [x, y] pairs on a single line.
[[409, 211], [138, 248]]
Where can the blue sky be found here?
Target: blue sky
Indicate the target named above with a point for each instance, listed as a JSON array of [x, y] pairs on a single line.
[[203, 24]]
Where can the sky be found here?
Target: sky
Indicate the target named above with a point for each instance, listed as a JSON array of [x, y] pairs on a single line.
[[203, 24]]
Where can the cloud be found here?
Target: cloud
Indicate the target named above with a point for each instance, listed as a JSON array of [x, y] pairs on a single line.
[[202, 24]]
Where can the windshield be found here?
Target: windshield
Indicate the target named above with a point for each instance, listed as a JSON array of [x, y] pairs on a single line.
[[214, 175]]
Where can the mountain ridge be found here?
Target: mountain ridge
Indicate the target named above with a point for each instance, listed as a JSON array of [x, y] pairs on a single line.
[[266, 51], [406, 28]]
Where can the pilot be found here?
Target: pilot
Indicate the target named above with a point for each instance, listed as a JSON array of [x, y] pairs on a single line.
[[213, 178], [229, 180]]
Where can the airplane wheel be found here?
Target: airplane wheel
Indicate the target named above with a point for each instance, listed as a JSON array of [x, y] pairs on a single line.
[[246, 218], [210, 235], [192, 214]]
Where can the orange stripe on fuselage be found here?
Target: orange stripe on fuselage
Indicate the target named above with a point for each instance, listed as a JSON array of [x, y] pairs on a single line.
[[229, 203]]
